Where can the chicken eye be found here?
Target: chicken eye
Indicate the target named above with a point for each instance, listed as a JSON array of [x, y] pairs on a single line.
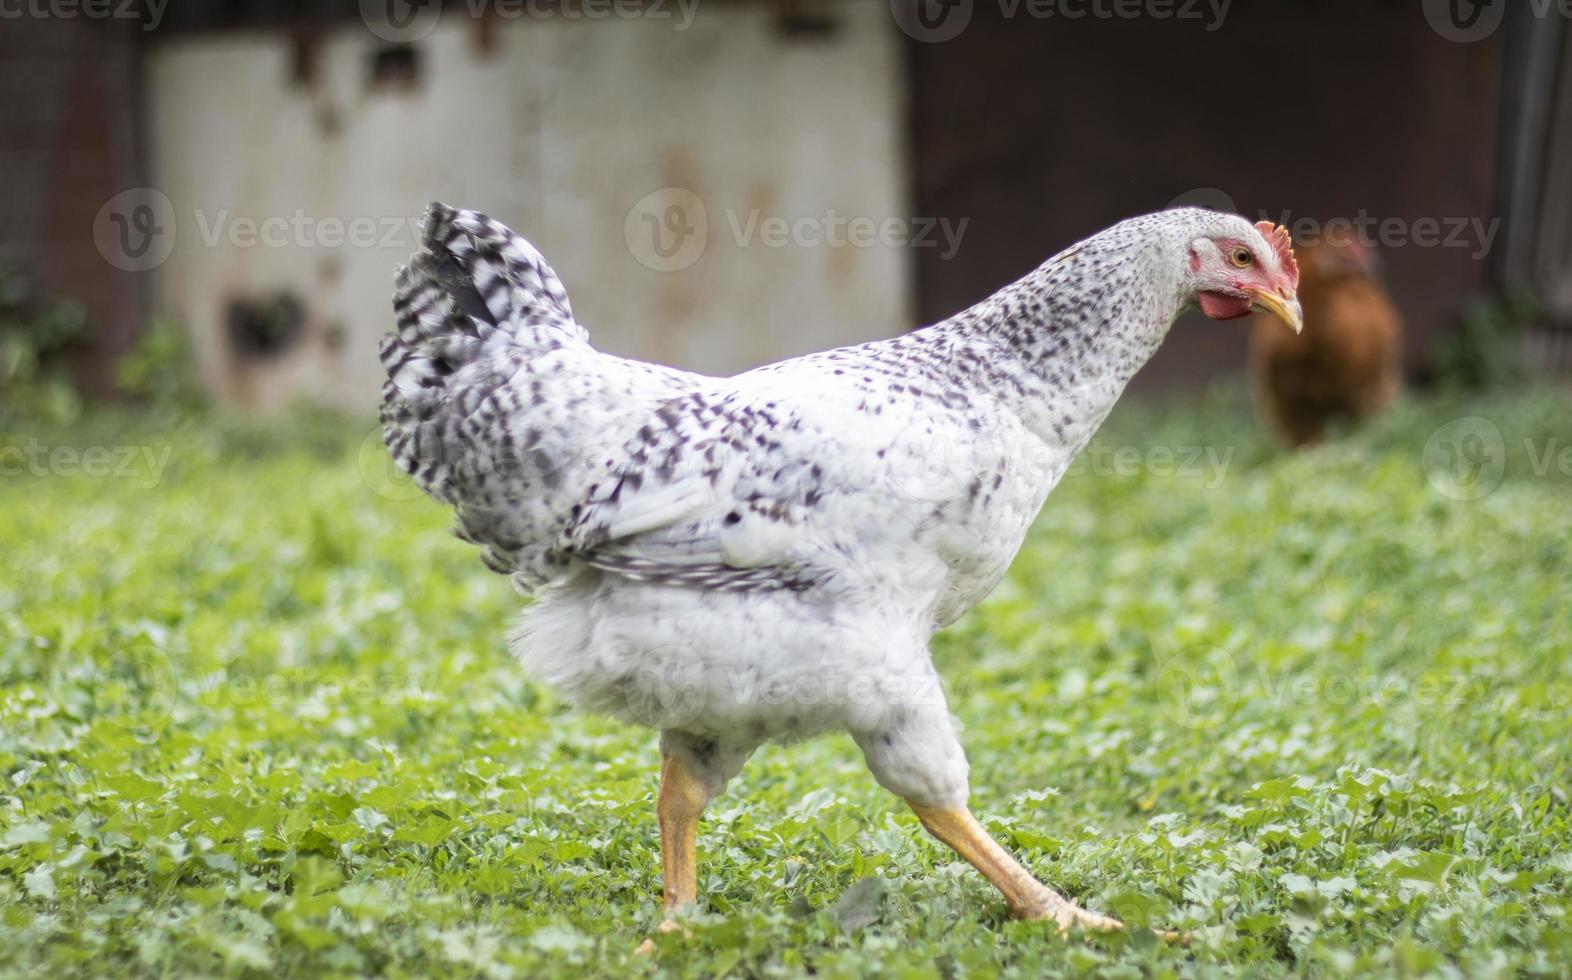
[[1242, 257]]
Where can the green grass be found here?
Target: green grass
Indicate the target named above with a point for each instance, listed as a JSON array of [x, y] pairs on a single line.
[[258, 718]]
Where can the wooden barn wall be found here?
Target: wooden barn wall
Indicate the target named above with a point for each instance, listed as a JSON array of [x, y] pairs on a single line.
[[1551, 269], [1041, 131], [1537, 179], [578, 133]]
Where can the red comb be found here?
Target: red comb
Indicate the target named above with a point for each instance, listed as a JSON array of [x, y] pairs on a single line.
[[1283, 244]]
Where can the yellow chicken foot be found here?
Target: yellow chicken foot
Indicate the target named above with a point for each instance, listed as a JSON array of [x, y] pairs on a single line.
[[1027, 897]]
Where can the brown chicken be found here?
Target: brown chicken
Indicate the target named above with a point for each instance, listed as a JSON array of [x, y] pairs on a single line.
[[1347, 364]]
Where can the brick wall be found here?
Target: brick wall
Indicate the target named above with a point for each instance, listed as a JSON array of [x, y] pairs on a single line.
[[68, 143]]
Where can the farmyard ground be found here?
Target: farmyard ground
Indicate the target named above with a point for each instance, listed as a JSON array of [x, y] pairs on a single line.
[[256, 716]]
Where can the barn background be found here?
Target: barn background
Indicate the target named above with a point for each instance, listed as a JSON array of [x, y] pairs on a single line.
[[265, 160]]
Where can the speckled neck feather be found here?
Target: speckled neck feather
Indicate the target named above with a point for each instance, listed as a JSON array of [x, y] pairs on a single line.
[[1076, 328]]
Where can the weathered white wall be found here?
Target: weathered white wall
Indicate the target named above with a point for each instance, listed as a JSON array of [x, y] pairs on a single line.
[[560, 130]]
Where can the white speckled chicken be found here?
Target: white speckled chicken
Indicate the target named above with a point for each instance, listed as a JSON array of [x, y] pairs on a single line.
[[766, 556]]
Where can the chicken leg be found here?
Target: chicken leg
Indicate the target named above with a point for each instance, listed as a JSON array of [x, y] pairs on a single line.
[[1027, 897], [683, 797]]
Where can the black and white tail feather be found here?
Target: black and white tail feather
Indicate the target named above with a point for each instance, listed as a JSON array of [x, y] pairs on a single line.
[[476, 305], [550, 452]]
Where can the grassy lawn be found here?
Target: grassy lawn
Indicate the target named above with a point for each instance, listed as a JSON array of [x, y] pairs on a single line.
[[256, 716]]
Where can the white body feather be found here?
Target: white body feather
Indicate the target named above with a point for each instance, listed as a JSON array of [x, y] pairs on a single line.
[[765, 556]]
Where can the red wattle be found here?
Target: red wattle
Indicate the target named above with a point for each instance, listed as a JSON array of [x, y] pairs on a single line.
[[1221, 306]]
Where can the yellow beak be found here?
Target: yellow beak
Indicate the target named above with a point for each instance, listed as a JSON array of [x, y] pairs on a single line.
[[1285, 307]]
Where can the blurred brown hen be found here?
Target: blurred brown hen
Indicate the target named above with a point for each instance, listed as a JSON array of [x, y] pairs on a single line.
[[1347, 364]]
